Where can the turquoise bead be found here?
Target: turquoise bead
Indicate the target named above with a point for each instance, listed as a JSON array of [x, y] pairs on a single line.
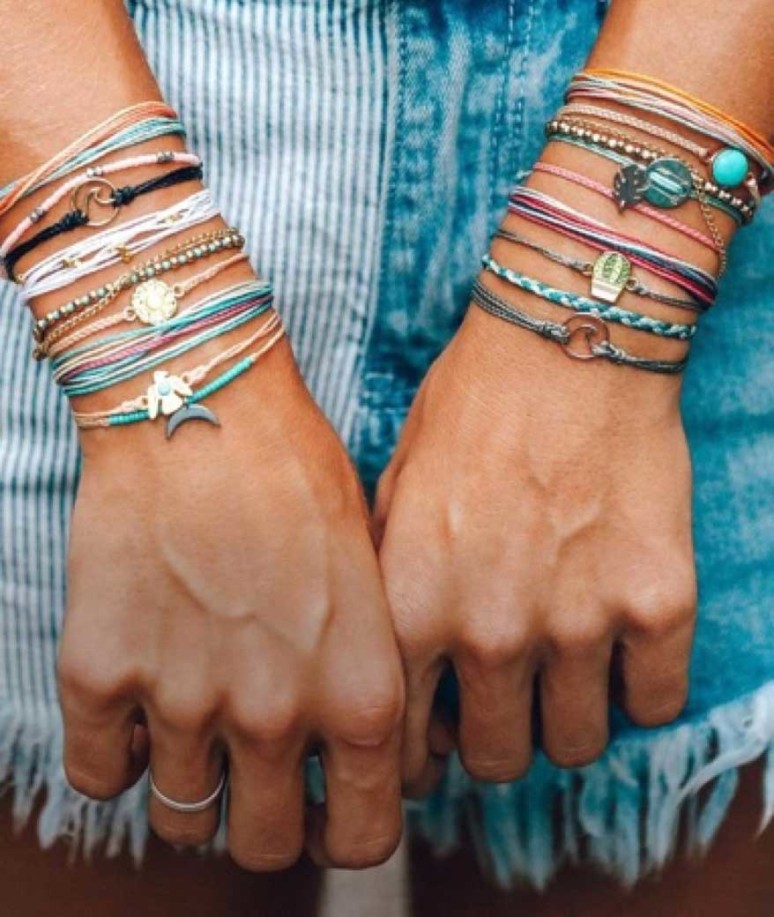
[[729, 168]]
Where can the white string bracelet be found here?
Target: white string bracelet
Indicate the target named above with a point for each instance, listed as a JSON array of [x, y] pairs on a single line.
[[112, 246]]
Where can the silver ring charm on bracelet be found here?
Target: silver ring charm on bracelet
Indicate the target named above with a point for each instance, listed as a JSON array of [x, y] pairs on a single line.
[[591, 329], [188, 808]]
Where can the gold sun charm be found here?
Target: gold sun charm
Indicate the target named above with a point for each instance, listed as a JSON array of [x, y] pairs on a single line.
[[153, 302]]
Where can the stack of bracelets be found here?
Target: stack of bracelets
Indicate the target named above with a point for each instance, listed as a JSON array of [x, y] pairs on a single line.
[[723, 167], [138, 319]]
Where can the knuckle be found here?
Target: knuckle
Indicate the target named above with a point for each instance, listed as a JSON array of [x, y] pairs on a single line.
[[373, 720], [266, 721], [660, 709], [184, 713], [257, 860], [578, 635], [91, 681], [661, 612], [490, 645]]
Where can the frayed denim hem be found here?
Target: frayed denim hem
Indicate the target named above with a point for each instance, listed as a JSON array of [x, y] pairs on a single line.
[[621, 813]]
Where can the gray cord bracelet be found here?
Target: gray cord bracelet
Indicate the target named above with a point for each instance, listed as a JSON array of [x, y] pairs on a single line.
[[582, 336]]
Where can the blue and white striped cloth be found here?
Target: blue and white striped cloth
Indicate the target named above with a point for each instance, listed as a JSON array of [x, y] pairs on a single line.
[[366, 148]]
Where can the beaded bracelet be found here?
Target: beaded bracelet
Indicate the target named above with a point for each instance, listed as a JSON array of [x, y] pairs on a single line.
[[588, 328], [666, 181], [610, 274], [656, 97], [578, 303], [78, 217], [112, 246], [170, 396], [152, 302], [729, 168], [537, 207], [186, 252], [78, 187], [112, 134]]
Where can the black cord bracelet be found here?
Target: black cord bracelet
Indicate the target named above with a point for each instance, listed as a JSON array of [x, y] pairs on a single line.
[[80, 216]]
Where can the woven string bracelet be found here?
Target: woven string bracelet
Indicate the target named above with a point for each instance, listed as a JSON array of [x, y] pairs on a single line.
[[580, 303], [589, 328]]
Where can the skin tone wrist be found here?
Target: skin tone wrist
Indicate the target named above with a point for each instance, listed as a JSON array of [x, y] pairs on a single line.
[[550, 550], [225, 609]]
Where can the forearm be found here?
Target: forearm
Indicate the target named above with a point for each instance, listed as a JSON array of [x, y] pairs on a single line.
[[716, 50], [65, 67]]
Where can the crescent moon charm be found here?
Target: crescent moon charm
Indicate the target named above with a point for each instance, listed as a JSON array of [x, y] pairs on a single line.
[[190, 412]]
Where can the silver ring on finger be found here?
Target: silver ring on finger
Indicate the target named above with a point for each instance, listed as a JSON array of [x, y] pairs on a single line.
[[188, 808]]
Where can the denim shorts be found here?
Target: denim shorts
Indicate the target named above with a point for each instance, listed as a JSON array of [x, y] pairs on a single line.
[[366, 147]]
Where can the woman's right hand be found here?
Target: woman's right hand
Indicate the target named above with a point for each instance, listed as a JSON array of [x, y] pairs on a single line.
[[225, 607]]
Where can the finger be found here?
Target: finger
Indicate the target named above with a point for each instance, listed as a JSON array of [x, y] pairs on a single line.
[[655, 659], [361, 822], [266, 807], [104, 754], [574, 703], [495, 732], [420, 767], [186, 766]]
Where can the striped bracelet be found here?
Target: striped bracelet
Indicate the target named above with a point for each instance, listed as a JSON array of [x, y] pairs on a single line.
[[537, 207], [592, 268]]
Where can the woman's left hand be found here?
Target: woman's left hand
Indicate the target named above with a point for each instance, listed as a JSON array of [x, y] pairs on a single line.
[[536, 529]]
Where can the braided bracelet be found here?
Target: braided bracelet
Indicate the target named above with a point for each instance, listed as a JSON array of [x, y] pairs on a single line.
[[120, 357], [666, 181], [651, 212], [96, 142], [80, 216], [635, 90], [580, 303], [588, 328], [610, 274]]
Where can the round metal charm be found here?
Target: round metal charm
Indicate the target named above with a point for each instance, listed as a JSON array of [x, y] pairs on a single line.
[[153, 302], [669, 183], [585, 333]]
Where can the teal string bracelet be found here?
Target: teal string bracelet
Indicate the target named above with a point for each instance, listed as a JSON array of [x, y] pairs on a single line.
[[581, 304], [122, 420], [582, 336]]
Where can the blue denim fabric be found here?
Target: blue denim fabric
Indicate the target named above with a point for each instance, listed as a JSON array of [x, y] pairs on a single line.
[[366, 148]]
